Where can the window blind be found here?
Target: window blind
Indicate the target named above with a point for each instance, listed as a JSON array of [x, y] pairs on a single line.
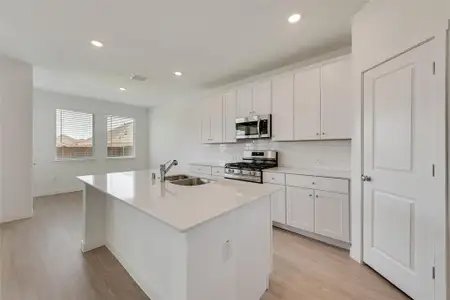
[[120, 136], [74, 138]]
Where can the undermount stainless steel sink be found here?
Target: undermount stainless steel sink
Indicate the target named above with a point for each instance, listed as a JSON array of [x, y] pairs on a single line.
[[177, 177], [192, 181]]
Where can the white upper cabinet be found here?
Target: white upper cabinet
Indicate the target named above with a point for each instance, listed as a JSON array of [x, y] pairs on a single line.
[[217, 119], [205, 122], [244, 101], [282, 107], [337, 100], [307, 104], [254, 99], [229, 117], [212, 120], [262, 98]]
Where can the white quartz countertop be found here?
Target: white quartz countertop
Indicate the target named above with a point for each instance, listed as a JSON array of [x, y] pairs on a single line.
[[181, 207], [342, 174], [209, 163]]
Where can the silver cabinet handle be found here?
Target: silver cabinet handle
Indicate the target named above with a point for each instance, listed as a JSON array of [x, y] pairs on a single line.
[[323, 133], [317, 133], [310, 195], [317, 196]]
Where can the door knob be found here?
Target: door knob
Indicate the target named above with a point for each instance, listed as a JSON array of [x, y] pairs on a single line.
[[366, 178]]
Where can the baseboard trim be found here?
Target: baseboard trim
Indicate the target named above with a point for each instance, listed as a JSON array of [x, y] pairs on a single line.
[[314, 236]]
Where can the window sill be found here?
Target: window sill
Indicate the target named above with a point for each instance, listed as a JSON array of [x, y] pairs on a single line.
[[75, 159], [120, 157]]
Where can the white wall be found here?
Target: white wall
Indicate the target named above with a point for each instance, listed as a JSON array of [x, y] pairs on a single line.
[[380, 31], [16, 84], [50, 176]]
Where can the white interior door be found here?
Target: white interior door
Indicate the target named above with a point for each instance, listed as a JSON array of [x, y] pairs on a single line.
[[398, 157]]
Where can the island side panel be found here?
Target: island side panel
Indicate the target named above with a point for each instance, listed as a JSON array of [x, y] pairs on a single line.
[[94, 209], [230, 257], [153, 253]]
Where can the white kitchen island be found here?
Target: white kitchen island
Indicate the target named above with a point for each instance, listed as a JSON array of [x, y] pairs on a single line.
[[206, 242]]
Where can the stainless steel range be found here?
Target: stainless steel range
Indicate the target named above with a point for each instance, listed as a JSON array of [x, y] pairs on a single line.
[[251, 169]]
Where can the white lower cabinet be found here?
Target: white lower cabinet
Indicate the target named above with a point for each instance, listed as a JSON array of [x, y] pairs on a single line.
[[319, 205], [332, 215], [278, 204], [300, 208]]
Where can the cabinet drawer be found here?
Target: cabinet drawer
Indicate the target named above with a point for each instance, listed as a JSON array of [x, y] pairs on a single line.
[[332, 185], [217, 171], [301, 181], [318, 183], [200, 169], [274, 178]]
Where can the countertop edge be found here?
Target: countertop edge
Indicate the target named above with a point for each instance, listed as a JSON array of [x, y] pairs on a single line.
[[178, 229]]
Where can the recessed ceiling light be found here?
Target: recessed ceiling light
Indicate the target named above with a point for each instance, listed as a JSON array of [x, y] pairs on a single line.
[[123, 89], [294, 18], [97, 44], [177, 73]]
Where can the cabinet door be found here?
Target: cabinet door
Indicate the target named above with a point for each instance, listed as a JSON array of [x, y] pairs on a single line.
[[216, 113], [282, 107], [307, 105], [300, 208], [262, 98], [278, 203], [337, 100], [244, 101], [332, 215], [229, 115], [206, 121]]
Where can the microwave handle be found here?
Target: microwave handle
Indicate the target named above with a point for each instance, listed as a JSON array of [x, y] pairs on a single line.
[[259, 127]]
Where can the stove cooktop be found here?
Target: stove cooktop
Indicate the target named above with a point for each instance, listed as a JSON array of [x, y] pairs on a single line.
[[249, 165]]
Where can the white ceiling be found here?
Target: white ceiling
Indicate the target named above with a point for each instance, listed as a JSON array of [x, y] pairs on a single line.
[[214, 42]]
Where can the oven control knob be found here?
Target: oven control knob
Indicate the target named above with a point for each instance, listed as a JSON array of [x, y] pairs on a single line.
[[252, 173]]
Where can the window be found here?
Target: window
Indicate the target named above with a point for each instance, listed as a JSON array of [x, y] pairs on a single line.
[[73, 135], [120, 136]]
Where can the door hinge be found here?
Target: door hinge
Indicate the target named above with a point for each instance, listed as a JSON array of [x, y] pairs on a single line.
[[434, 68], [433, 170], [433, 272]]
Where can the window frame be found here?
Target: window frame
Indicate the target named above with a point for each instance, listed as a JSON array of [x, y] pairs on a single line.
[[85, 158], [133, 156]]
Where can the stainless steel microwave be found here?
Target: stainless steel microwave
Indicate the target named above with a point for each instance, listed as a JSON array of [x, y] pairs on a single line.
[[254, 127]]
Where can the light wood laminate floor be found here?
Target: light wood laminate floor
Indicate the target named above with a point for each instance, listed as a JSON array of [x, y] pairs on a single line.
[[41, 260]]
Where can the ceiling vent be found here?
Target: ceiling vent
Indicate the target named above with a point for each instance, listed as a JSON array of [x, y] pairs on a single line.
[[138, 77]]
